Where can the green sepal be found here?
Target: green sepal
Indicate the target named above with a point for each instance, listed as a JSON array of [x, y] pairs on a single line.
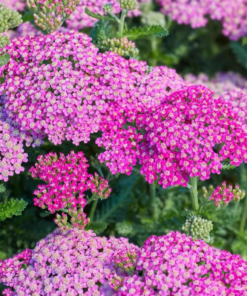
[[157, 31], [13, 207], [97, 227]]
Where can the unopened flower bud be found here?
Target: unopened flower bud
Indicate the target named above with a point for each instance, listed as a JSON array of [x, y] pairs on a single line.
[[107, 8], [128, 4]]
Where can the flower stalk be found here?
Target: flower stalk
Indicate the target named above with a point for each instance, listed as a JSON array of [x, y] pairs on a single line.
[[194, 193]]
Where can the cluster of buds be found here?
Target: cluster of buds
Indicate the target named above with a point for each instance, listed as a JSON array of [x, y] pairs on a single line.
[[49, 15], [8, 19], [223, 194], [128, 4], [73, 219], [198, 228], [107, 8], [122, 46]]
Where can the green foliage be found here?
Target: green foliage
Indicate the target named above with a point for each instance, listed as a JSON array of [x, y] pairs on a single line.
[[97, 227], [228, 166], [107, 17], [4, 59], [13, 207], [156, 31], [240, 53]]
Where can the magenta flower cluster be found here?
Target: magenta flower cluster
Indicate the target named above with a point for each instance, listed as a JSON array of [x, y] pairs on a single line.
[[175, 140], [67, 181], [174, 264], [194, 12], [65, 263], [59, 86], [230, 87], [223, 194]]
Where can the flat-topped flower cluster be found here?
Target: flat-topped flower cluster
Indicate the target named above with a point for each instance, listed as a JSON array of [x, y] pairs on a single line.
[[77, 262], [61, 87]]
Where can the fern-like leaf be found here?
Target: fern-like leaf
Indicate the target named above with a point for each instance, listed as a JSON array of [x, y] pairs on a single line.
[[157, 31], [227, 166], [240, 53], [98, 16], [13, 207], [117, 204]]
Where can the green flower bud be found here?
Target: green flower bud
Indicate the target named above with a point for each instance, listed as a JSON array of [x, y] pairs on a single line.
[[107, 8], [121, 46], [128, 4], [198, 228]]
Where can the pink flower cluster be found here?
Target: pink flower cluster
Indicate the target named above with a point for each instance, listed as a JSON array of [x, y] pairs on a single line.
[[176, 265], [12, 266], [14, 4], [79, 19], [176, 139], [222, 83], [59, 86], [76, 262], [224, 194], [67, 180], [195, 12], [12, 153], [73, 262], [231, 87]]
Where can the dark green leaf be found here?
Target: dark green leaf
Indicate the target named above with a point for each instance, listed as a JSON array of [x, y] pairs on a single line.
[[156, 31], [4, 59], [45, 214], [97, 227], [240, 53]]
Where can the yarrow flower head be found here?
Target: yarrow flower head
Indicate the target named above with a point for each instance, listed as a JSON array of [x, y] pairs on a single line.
[[188, 134], [175, 264], [67, 181], [73, 262], [223, 194]]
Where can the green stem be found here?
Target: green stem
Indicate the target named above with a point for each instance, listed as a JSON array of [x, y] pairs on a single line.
[[243, 173], [121, 24], [152, 200], [93, 209], [194, 193], [154, 45]]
